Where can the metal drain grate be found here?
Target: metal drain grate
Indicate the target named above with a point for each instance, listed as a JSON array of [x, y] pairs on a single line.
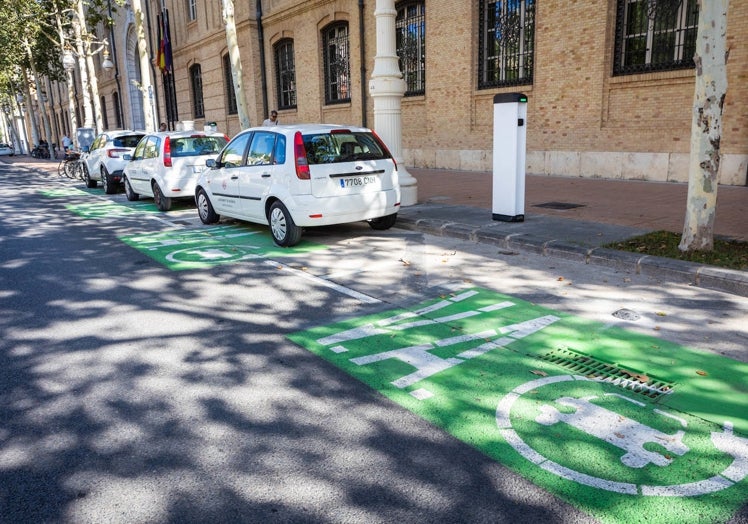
[[558, 205], [590, 367]]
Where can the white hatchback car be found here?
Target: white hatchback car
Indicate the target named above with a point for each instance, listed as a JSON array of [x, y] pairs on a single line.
[[166, 165], [296, 176], [104, 161]]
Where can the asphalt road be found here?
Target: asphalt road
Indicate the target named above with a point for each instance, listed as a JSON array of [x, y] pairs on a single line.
[[133, 393]]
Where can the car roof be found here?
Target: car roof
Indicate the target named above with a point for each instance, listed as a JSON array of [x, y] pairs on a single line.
[[308, 128], [183, 134]]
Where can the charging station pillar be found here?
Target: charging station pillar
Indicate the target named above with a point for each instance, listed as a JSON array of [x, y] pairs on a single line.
[[509, 156]]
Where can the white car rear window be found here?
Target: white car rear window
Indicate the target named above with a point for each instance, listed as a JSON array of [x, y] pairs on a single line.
[[331, 148]]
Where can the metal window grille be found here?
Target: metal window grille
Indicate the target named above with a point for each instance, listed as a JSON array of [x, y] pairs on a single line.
[[337, 64], [192, 9], [104, 116], [655, 35], [285, 70], [198, 108], [410, 27], [506, 43], [228, 79]]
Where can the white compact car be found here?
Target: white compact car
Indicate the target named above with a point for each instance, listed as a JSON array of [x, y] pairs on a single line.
[[7, 150], [105, 161], [297, 176], [166, 165]]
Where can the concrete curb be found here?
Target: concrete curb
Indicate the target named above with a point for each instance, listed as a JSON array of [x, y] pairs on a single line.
[[666, 269]]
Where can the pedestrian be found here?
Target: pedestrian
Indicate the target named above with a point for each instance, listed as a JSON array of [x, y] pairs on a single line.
[[162, 127], [273, 120], [66, 143]]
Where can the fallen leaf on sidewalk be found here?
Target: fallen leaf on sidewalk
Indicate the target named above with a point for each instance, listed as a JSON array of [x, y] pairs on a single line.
[[560, 279], [702, 373], [539, 373], [404, 261]]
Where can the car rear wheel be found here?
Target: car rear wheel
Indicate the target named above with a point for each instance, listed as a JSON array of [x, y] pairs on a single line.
[[109, 187], [382, 223], [285, 232], [205, 209], [163, 203], [129, 192], [90, 183]]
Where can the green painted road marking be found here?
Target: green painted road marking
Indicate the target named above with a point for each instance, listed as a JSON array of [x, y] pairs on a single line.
[[109, 209], [211, 246], [651, 432], [64, 192]]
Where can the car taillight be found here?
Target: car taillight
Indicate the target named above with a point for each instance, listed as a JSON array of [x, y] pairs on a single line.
[[116, 153], [299, 153], [384, 148], [167, 151]]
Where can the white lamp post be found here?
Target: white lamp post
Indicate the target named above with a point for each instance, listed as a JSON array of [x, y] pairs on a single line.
[[387, 88]]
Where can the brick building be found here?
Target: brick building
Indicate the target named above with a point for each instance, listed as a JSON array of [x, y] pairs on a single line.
[[610, 86]]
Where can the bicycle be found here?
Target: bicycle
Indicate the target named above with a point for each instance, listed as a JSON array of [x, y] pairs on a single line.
[[68, 166]]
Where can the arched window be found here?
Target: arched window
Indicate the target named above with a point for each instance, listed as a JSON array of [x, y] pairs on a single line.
[[336, 59], [117, 109], [196, 80], [410, 27], [104, 116], [228, 80], [506, 42], [285, 74]]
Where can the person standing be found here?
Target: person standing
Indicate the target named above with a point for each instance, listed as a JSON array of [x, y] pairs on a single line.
[[273, 120], [66, 143]]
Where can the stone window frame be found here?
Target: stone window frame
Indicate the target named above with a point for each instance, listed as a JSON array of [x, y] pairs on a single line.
[[410, 31], [196, 84], [336, 57], [285, 73], [506, 61]]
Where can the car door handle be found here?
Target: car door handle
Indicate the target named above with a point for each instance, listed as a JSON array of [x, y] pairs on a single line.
[[235, 177], [266, 175]]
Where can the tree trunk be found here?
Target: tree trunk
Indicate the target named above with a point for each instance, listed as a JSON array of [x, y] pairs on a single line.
[[706, 126], [236, 63], [146, 86]]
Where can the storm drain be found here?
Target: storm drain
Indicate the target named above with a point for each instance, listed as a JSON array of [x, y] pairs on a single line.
[[595, 369], [559, 205]]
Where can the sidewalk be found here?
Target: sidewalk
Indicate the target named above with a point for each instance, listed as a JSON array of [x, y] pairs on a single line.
[[459, 204], [593, 213]]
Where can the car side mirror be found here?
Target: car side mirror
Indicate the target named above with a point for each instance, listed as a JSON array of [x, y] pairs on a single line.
[[127, 156], [211, 163]]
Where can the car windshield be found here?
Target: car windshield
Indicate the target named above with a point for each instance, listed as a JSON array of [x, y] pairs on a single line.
[[196, 145], [127, 141], [345, 146]]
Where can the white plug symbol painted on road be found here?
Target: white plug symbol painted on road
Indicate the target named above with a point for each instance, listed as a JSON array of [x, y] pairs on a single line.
[[615, 429]]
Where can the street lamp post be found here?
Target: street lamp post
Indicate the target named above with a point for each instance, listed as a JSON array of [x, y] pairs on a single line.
[[387, 88]]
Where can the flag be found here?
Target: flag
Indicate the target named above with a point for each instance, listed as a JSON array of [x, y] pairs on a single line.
[[160, 57], [167, 43]]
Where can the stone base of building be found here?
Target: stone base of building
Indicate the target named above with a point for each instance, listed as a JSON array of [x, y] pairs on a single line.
[[656, 167]]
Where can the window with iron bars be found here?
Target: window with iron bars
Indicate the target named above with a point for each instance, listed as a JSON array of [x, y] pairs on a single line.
[[506, 42], [655, 35], [410, 34], [196, 78], [285, 74], [228, 79], [192, 10], [337, 63]]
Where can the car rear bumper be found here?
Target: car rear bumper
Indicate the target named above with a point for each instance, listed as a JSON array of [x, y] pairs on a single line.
[[309, 211]]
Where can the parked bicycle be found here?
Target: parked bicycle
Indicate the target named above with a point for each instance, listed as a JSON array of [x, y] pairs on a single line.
[[40, 151], [70, 165]]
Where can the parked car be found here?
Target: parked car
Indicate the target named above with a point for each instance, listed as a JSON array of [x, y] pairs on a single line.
[[166, 165], [295, 176], [7, 150], [104, 161]]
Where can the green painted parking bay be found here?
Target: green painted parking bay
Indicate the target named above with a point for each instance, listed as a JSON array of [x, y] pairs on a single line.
[[215, 245], [626, 426]]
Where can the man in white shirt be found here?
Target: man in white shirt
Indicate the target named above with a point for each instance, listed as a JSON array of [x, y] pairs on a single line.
[[273, 120]]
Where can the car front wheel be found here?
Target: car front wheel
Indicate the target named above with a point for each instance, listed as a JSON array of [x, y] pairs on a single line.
[[284, 230], [129, 192], [163, 203], [382, 223], [205, 209]]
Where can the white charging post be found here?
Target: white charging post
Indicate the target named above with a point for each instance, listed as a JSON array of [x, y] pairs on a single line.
[[509, 156]]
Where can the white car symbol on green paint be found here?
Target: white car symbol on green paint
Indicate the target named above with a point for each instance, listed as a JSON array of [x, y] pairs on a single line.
[[615, 429]]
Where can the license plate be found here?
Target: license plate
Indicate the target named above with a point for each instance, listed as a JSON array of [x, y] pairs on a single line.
[[358, 181]]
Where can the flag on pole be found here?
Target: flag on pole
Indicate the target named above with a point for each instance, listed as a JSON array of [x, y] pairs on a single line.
[[167, 43], [160, 57]]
